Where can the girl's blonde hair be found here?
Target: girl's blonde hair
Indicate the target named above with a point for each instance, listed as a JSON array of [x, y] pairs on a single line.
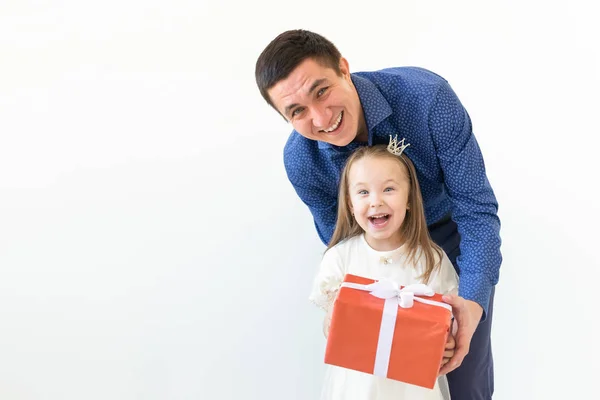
[[414, 228]]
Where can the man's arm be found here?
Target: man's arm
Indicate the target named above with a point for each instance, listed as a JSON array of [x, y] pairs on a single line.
[[474, 211], [322, 206], [323, 209], [474, 204]]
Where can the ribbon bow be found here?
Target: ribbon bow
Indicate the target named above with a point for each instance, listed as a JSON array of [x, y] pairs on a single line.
[[389, 290], [386, 289]]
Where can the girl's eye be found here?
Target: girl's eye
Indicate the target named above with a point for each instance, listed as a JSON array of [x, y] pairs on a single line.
[[363, 192], [389, 189]]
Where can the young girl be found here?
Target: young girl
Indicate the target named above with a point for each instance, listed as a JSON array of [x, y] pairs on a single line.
[[380, 233]]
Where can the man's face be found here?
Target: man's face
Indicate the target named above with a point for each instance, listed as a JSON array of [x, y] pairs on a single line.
[[320, 104]]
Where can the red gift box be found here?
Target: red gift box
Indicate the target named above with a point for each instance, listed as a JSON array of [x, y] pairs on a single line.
[[379, 336]]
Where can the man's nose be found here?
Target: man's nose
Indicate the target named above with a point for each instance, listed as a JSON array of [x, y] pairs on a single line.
[[321, 117]]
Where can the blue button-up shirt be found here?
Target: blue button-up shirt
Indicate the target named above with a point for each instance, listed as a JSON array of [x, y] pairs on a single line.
[[420, 106]]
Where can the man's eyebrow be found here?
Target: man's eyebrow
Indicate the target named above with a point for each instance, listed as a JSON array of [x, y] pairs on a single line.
[[315, 85]]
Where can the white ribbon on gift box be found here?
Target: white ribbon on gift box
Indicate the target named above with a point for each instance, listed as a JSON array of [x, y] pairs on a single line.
[[394, 298]]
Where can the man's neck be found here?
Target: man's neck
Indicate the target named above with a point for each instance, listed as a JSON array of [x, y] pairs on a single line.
[[363, 133]]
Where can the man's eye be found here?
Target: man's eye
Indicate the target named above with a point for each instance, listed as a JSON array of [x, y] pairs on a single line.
[[297, 111], [322, 91]]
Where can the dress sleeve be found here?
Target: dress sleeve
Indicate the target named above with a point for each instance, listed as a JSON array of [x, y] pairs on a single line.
[[328, 280]]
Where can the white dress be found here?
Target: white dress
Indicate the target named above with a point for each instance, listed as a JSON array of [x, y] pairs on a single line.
[[355, 256]]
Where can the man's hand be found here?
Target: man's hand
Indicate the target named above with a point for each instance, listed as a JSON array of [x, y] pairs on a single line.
[[449, 349], [467, 315]]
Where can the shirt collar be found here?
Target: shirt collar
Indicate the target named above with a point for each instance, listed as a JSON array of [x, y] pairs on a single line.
[[375, 108]]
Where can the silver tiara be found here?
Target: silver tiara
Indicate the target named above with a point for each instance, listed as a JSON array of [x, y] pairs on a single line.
[[397, 147]]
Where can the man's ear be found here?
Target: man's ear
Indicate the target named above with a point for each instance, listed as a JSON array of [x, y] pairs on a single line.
[[344, 67]]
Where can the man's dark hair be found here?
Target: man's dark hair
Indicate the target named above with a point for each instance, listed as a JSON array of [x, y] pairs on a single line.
[[287, 51]]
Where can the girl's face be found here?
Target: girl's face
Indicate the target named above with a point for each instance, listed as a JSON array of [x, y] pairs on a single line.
[[378, 196]]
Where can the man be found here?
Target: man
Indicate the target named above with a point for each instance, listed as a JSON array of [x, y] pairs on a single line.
[[303, 76]]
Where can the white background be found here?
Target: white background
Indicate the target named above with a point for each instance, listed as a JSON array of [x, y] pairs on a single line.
[[152, 248]]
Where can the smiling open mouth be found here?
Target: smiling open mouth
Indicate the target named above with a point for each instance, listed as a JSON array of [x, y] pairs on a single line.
[[379, 219], [335, 125]]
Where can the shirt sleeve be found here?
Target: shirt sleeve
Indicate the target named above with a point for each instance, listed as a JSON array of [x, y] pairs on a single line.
[[474, 204], [323, 209], [322, 206]]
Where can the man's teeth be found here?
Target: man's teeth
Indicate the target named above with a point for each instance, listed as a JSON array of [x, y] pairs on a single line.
[[334, 126]]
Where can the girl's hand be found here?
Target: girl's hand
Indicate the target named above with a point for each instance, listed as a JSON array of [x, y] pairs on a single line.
[[327, 322]]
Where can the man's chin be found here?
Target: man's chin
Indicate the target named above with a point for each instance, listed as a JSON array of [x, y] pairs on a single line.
[[340, 140]]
